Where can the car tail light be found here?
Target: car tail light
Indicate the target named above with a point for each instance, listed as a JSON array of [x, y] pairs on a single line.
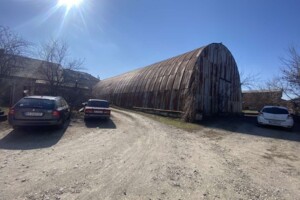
[[88, 111], [11, 111], [260, 113], [55, 113]]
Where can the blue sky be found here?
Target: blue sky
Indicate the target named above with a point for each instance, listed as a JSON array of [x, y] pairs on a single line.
[[116, 36]]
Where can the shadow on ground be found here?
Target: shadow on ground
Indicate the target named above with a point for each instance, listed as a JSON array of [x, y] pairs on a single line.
[[100, 123], [247, 125], [28, 138], [3, 118]]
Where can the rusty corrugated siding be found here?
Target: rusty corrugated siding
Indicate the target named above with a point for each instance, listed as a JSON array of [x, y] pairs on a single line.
[[205, 80]]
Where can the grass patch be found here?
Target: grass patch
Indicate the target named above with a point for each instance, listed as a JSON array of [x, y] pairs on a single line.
[[178, 123], [175, 122], [5, 109], [250, 112]]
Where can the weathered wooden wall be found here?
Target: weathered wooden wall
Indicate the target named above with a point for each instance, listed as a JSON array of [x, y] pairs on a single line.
[[205, 80], [218, 81]]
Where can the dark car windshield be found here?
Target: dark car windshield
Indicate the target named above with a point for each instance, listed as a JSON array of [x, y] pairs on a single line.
[[36, 103], [103, 104], [274, 110]]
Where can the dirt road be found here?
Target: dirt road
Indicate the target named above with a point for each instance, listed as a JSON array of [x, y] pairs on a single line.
[[134, 157]]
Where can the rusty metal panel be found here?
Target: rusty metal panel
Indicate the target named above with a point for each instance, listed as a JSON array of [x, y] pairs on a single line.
[[127, 83], [160, 68], [142, 80], [181, 100], [169, 85], [187, 74], [157, 83], [191, 63], [163, 83], [147, 79], [168, 67], [135, 83], [164, 69], [172, 72], [139, 82], [154, 76], [174, 100], [172, 64], [186, 79], [136, 94], [180, 71], [180, 75], [177, 64]]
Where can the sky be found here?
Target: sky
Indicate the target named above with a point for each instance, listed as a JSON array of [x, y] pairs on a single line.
[[117, 36]]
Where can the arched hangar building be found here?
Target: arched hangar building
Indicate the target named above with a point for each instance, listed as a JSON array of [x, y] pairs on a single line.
[[202, 82]]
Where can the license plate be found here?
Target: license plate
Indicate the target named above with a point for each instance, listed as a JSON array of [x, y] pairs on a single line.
[[274, 122], [34, 114], [98, 111]]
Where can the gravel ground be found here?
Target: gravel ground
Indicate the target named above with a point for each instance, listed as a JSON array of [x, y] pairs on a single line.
[[134, 157]]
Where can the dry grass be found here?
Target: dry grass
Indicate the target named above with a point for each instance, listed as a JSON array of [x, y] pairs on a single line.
[[250, 112], [5, 109], [175, 122], [178, 123]]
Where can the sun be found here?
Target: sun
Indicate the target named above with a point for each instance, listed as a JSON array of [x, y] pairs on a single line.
[[69, 3]]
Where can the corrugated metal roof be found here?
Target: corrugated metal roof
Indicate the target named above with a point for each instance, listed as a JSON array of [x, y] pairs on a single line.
[[204, 80]]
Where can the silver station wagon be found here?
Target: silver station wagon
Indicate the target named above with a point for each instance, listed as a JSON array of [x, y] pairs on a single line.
[[39, 111]]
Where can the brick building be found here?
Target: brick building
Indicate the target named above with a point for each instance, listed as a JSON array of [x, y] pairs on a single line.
[[25, 78], [256, 99]]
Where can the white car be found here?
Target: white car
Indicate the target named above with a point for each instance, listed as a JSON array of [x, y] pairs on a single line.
[[275, 116], [96, 108]]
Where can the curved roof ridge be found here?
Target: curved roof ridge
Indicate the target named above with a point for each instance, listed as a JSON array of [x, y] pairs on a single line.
[[157, 63]]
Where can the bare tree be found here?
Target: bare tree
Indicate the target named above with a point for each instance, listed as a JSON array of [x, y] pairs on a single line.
[[290, 79], [11, 45], [249, 81], [56, 61]]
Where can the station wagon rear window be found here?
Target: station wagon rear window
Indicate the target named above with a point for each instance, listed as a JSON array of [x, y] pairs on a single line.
[[36, 103], [103, 104]]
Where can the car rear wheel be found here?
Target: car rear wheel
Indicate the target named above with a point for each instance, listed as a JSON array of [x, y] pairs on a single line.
[[69, 116], [258, 124], [61, 124]]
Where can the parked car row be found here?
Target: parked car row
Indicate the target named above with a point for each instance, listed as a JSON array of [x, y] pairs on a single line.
[[49, 110], [52, 111]]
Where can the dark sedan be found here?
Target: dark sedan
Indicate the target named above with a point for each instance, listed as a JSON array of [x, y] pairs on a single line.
[[39, 111]]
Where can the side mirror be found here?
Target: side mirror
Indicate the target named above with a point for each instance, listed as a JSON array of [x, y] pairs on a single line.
[[84, 104]]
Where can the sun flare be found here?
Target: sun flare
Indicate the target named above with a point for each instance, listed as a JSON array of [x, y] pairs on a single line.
[[69, 3]]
